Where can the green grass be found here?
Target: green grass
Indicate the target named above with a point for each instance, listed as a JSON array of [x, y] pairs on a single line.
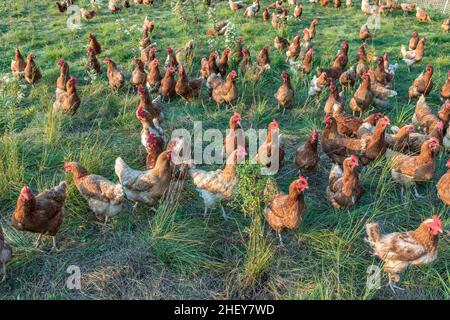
[[176, 253]]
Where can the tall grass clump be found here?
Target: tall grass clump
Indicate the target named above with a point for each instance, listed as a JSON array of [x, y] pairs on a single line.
[[258, 251], [11, 163]]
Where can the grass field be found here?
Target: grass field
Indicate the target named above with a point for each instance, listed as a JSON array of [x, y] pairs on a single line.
[[176, 253]]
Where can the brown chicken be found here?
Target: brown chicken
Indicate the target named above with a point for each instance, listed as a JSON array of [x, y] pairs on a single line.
[[445, 91], [154, 76], [328, 142], [325, 3], [263, 56], [272, 148], [116, 79], [285, 211], [93, 43], [416, 139], [362, 98], [344, 187], [93, 66], [361, 66], [224, 91], [380, 75], [318, 83], [337, 4], [335, 71], [138, 76], [222, 63], [113, 7], [209, 66], [236, 5], [423, 115], [42, 214], [408, 7], [18, 64], [422, 85], [307, 155], [408, 170], [364, 33], [306, 65], [63, 76], [335, 102], [348, 78], [171, 60], [443, 186], [145, 186], [422, 15], [298, 10], [148, 53], [63, 5], [285, 93], [413, 41], [444, 114], [235, 136], [399, 250], [446, 25], [153, 107], [5, 254], [151, 138], [312, 28], [413, 56], [32, 73], [167, 87], [280, 43], [218, 185], [88, 14], [68, 101], [104, 197], [399, 141], [294, 49], [355, 127], [185, 88]]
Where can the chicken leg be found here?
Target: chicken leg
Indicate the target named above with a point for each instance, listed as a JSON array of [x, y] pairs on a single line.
[[38, 241], [54, 248], [224, 214], [4, 273], [281, 240]]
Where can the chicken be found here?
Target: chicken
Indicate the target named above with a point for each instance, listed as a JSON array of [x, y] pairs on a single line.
[[272, 149], [307, 155], [298, 10], [355, 127], [266, 15], [423, 115], [185, 88], [275, 22], [399, 141], [294, 49], [88, 14], [343, 55], [348, 78], [446, 25], [104, 197], [389, 68], [154, 76], [380, 75], [116, 78], [18, 64], [252, 72], [252, 10], [408, 7], [63, 76], [444, 114], [344, 187], [42, 214], [280, 43], [361, 66], [185, 55], [364, 33], [152, 137], [263, 57], [335, 101], [416, 139], [285, 211], [422, 85], [171, 60], [335, 71], [209, 66], [68, 101], [138, 76], [236, 5], [93, 66], [113, 7], [421, 15], [312, 28], [5, 254], [390, 5], [445, 91], [235, 136], [63, 5], [409, 170], [224, 91], [32, 74], [93, 43], [413, 56], [443, 187], [306, 65], [318, 83], [337, 4], [126, 4], [167, 87], [145, 186], [219, 29], [148, 54], [399, 250], [151, 106], [285, 93], [412, 45], [348, 3], [363, 96], [215, 186], [222, 63]]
